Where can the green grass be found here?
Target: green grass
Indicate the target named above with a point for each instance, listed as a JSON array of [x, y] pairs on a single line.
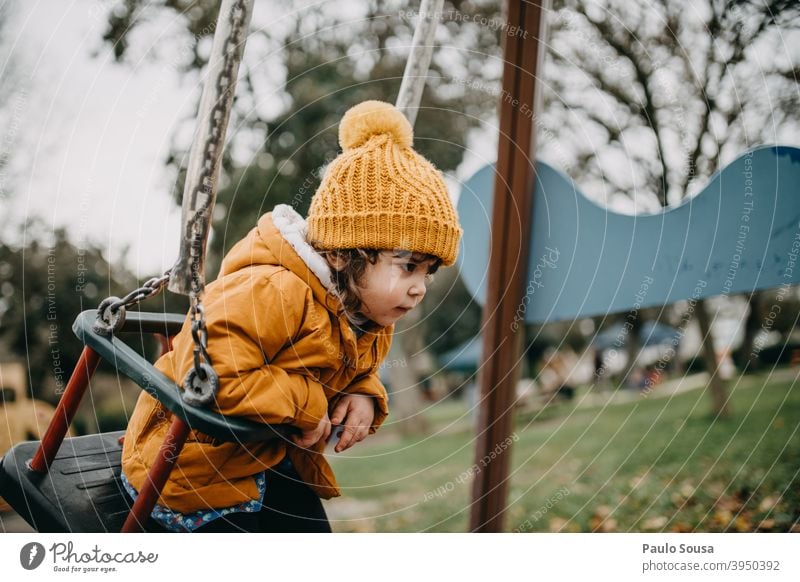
[[657, 464]]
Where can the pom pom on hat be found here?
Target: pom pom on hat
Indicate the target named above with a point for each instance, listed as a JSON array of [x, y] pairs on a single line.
[[371, 118]]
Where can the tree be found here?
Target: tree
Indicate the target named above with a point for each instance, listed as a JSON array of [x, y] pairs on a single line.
[[44, 285], [669, 89]]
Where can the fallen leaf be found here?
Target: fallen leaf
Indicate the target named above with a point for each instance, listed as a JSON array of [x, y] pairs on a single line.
[[609, 525], [769, 502], [602, 511], [766, 525], [728, 504], [597, 524], [635, 481], [722, 517], [655, 523]]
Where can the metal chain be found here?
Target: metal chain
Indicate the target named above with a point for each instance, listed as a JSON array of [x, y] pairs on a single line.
[[151, 288], [111, 311], [197, 315], [201, 382], [212, 148]]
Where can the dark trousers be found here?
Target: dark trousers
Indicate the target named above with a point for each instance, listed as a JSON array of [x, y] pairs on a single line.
[[290, 506]]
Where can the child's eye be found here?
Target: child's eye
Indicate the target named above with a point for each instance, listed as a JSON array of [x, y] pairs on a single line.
[[410, 267]]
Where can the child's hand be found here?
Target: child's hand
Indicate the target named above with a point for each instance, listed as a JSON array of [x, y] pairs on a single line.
[[356, 412], [311, 437]]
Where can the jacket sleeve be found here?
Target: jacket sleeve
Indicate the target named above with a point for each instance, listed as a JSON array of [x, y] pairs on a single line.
[[371, 385], [250, 320], [273, 396]]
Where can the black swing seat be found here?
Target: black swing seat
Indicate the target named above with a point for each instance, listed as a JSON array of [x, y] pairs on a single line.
[[82, 491]]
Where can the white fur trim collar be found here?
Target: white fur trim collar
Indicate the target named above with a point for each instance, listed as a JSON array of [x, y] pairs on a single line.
[[293, 228]]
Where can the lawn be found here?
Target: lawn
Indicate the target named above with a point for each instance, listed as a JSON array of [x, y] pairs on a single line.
[[653, 464]]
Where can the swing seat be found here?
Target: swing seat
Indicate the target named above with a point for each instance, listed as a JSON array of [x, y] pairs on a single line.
[[81, 491]]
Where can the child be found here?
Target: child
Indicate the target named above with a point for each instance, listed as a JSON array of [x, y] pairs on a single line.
[[299, 320]]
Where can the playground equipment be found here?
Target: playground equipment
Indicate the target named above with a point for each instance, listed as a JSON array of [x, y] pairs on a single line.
[[73, 484], [76, 487], [736, 235]]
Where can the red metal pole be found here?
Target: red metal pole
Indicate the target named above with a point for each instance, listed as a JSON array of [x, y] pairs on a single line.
[[159, 473], [165, 342], [65, 411]]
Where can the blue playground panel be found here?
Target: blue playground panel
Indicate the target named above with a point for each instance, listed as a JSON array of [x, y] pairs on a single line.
[[739, 234]]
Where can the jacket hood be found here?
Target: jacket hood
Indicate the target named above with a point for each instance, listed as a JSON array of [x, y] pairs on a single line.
[[279, 239]]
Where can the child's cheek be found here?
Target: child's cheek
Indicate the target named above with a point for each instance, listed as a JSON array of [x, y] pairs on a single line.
[[393, 283]]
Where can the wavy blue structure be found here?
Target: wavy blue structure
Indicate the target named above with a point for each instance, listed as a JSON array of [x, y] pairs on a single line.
[[740, 233]]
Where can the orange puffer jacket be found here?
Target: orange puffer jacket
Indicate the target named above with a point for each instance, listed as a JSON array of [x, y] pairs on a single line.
[[284, 352]]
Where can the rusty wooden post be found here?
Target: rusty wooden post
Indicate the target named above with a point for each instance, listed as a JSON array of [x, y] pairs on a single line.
[[508, 266]]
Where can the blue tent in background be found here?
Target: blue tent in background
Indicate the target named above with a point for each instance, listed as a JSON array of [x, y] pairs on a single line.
[[651, 334], [463, 358]]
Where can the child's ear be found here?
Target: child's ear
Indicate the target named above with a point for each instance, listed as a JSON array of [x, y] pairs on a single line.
[[336, 261]]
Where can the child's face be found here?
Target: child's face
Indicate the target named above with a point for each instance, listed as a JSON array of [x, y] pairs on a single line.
[[394, 285]]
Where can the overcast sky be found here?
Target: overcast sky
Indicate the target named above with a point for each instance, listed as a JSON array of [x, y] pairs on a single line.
[[89, 137]]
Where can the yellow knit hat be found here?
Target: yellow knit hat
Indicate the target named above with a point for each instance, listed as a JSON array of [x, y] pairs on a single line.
[[381, 194]]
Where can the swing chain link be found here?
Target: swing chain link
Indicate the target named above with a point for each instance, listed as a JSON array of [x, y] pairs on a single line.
[[199, 336], [205, 184], [111, 311], [201, 382]]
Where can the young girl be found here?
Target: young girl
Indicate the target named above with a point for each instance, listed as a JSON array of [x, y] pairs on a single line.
[[299, 321]]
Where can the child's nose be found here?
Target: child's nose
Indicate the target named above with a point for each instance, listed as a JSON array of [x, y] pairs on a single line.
[[418, 289]]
